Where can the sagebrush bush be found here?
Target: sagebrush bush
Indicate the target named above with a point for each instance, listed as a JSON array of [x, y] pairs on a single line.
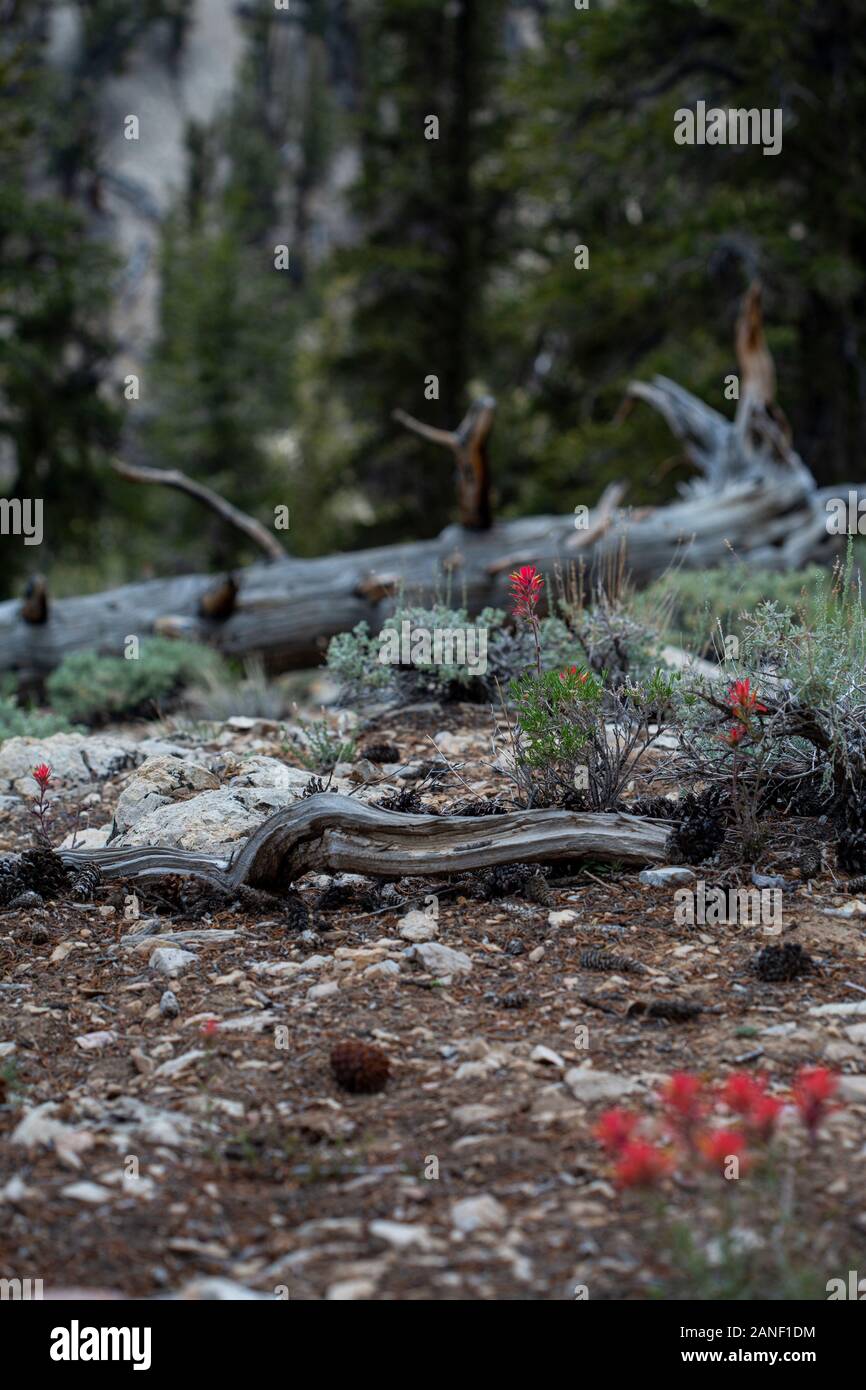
[[18, 722], [96, 689], [701, 606]]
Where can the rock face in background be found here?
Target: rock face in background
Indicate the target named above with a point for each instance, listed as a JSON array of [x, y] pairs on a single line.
[[142, 177]]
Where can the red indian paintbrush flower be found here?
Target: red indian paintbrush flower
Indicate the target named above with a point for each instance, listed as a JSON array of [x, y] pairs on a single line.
[[813, 1090], [747, 1096], [615, 1129], [641, 1164], [744, 701], [682, 1098], [210, 1028], [719, 1146], [734, 734], [582, 676], [42, 775], [741, 1091], [526, 589]]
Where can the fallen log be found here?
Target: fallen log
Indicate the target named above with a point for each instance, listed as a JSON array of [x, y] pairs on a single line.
[[753, 499], [334, 834]]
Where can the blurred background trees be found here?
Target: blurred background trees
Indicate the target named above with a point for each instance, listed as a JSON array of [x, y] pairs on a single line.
[[410, 258]]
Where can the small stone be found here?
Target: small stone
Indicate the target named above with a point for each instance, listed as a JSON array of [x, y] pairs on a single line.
[[168, 1005], [439, 960], [566, 918], [169, 960], [95, 1042], [478, 1213], [323, 991], [589, 1085], [86, 1192], [350, 1290], [546, 1055], [401, 1235], [384, 967], [666, 876], [536, 955]]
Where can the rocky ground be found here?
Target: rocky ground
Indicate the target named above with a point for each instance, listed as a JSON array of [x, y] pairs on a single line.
[[146, 1152]]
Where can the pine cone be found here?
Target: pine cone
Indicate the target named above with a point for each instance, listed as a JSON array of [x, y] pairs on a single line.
[[593, 959], [782, 962], [477, 806], [652, 807], [407, 802], [10, 879], [851, 851], [335, 896], [43, 872], [359, 1067], [701, 829], [381, 752], [504, 879], [537, 890], [675, 1010], [856, 885], [514, 999], [296, 911], [85, 882], [810, 861]]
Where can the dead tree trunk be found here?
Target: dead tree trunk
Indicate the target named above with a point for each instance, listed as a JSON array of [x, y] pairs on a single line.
[[336, 834], [753, 499]]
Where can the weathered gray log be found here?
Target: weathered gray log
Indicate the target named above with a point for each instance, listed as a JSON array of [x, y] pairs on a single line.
[[334, 834]]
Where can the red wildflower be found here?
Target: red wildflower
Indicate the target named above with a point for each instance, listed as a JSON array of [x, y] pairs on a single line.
[[718, 1146], [744, 701], [526, 586], [42, 775], [614, 1130], [210, 1028], [681, 1095], [746, 1096], [763, 1116], [734, 734], [813, 1090], [641, 1164], [582, 676]]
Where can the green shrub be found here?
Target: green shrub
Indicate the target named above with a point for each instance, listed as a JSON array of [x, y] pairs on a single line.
[[96, 689], [16, 722], [701, 607]]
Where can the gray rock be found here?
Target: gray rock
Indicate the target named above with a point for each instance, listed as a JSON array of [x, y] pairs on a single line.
[[667, 876], [75, 759], [589, 1085], [169, 960], [157, 783], [439, 960], [478, 1213], [168, 1005]]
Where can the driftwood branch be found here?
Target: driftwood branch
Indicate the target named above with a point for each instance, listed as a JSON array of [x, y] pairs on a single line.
[[469, 444], [172, 477], [334, 834]]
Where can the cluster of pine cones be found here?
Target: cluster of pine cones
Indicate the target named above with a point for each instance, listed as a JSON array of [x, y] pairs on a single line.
[[506, 880], [776, 963], [42, 871], [359, 1067], [701, 829]]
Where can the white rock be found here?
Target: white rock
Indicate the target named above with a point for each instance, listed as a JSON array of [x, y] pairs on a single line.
[[176, 1065], [94, 1042], [565, 918], [546, 1055], [856, 1032], [852, 1088], [323, 991], [350, 1290], [211, 822], [666, 876], [38, 1127], [478, 1213], [217, 1290], [857, 1009], [93, 837], [169, 960], [439, 960], [589, 1085], [65, 754], [157, 783], [86, 1192], [418, 926], [400, 1235], [383, 967]]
